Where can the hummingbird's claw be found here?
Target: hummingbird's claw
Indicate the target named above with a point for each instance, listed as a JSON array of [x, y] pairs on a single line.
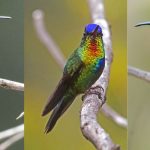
[[93, 90]]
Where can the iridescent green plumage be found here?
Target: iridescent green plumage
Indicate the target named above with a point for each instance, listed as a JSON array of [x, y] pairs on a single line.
[[82, 69]]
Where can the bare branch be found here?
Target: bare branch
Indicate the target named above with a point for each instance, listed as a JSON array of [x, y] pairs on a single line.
[[117, 118], [142, 24], [90, 127], [11, 132], [11, 141], [92, 103], [5, 17], [16, 133], [139, 73], [44, 37], [20, 116], [7, 84]]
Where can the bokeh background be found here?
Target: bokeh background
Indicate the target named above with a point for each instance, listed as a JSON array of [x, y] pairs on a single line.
[[138, 90], [11, 64], [65, 21]]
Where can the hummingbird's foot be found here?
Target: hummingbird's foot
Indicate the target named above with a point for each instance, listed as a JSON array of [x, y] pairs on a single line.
[[97, 90]]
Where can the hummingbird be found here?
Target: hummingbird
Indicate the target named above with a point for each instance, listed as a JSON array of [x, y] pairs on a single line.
[[82, 69]]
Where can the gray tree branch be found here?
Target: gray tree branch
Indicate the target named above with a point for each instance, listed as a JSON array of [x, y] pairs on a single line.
[[110, 113], [46, 39], [5, 17], [10, 132], [144, 75], [10, 136], [7, 84], [10, 141], [12, 85]]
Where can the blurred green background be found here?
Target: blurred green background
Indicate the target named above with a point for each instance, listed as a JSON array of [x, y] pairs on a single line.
[[138, 90], [11, 64], [65, 21]]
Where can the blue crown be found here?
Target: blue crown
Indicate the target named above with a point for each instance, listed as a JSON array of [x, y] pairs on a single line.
[[91, 27]]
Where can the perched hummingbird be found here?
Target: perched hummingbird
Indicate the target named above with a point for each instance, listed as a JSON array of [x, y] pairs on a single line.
[[82, 69]]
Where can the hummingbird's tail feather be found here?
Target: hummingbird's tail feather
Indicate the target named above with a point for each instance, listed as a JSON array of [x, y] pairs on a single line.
[[56, 97], [60, 108]]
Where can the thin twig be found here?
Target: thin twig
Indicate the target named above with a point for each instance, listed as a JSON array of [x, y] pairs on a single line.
[[142, 24], [117, 118], [20, 116], [7, 84], [144, 75], [5, 17], [11, 141], [37, 25], [11, 132], [44, 37]]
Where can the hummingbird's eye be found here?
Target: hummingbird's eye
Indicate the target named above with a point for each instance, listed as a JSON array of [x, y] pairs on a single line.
[[100, 34]]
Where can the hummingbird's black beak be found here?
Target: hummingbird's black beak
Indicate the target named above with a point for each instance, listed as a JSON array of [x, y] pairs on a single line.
[[95, 31], [142, 23]]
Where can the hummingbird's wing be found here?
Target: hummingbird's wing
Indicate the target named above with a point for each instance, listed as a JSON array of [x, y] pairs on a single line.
[[61, 99], [72, 68]]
